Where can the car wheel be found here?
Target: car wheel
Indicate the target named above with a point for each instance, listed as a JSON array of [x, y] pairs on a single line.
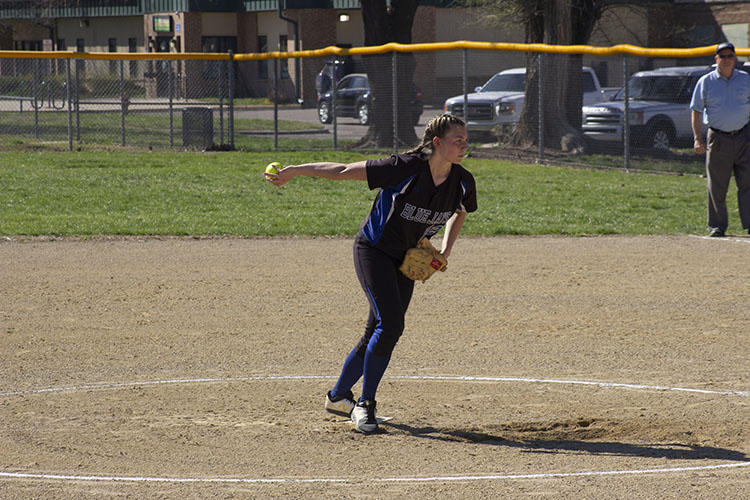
[[363, 113], [659, 137], [324, 112]]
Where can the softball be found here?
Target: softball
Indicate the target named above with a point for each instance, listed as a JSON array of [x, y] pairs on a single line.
[[274, 167]]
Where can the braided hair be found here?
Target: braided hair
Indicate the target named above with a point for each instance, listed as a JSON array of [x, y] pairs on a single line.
[[437, 127]]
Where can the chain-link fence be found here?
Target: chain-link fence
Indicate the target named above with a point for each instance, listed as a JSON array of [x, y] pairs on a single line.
[[143, 103], [381, 101]]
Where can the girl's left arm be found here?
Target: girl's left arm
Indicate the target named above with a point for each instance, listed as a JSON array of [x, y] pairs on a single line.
[[452, 229], [327, 170]]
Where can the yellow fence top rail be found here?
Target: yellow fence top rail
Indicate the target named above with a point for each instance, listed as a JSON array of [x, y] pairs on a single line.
[[497, 46], [31, 54], [708, 50]]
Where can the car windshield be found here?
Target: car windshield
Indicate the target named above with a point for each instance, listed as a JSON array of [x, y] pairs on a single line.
[[353, 82], [512, 82], [676, 89]]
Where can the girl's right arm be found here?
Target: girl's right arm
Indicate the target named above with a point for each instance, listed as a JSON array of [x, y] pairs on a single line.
[[335, 171]]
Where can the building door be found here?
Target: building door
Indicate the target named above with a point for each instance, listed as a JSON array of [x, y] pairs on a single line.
[[163, 67]]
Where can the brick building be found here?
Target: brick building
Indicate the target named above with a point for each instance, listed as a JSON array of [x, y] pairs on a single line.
[[253, 26]]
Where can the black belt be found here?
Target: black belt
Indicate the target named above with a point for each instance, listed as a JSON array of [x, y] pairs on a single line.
[[734, 132]]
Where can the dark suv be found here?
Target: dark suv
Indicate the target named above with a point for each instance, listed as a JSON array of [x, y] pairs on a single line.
[[353, 100], [323, 80]]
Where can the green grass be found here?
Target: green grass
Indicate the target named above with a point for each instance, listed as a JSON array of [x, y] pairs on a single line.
[[522, 199], [168, 193], [676, 161], [18, 130]]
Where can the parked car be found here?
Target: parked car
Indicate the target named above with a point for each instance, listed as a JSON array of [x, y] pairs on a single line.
[[658, 107], [353, 99], [323, 80], [500, 100]]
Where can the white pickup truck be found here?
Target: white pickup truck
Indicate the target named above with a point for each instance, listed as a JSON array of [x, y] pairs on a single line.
[[500, 100], [658, 108]]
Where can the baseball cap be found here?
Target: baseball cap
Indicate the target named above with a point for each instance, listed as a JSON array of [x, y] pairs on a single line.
[[724, 46]]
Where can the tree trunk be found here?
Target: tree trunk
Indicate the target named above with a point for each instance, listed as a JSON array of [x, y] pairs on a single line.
[[527, 131], [382, 25], [583, 16], [555, 22]]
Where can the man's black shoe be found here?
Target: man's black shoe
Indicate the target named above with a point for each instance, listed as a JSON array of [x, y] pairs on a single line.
[[716, 232]]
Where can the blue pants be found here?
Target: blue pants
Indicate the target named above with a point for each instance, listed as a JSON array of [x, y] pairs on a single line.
[[389, 293]]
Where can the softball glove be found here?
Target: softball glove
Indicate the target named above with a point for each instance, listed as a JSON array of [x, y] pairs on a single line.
[[422, 261]]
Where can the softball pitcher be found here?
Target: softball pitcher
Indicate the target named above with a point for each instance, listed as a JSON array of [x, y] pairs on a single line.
[[421, 191]]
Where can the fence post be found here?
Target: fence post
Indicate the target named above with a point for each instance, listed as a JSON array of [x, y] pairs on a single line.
[[70, 116], [78, 103], [465, 72], [222, 90], [394, 97], [171, 108], [333, 104], [275, 104], [540, 124], [35, 86], [123, 104], [230, 72], [626, 115], [465, 83]]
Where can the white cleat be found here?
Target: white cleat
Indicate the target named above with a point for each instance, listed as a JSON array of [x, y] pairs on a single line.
[[363, 417], [341, 405]]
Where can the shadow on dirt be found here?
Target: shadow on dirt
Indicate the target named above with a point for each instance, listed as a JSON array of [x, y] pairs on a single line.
[[672, 451]]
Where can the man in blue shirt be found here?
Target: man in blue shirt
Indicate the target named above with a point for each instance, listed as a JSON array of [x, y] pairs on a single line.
[[721, 100]]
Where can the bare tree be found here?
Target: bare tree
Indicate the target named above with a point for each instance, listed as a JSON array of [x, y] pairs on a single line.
[[39, 11], [553, 22], [384, 24], [557, 22]]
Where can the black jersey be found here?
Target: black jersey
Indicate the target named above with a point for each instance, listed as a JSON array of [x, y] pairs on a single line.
[[409, 206]]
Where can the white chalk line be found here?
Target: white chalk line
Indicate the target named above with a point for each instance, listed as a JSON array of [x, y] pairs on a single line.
[[412, 479], [726, 239], [437, 378]]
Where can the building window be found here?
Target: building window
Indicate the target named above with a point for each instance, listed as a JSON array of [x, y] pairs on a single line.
[[221, 44], [80, 63], [216, 44], [28, 45], [283, 63], [112, 47], [132, 65], [263, 65], [58, 64]]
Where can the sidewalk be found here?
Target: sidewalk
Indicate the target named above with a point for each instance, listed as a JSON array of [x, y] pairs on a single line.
[[14, 103]]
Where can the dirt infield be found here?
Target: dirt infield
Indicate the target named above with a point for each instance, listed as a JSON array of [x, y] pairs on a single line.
[[536, 367]]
